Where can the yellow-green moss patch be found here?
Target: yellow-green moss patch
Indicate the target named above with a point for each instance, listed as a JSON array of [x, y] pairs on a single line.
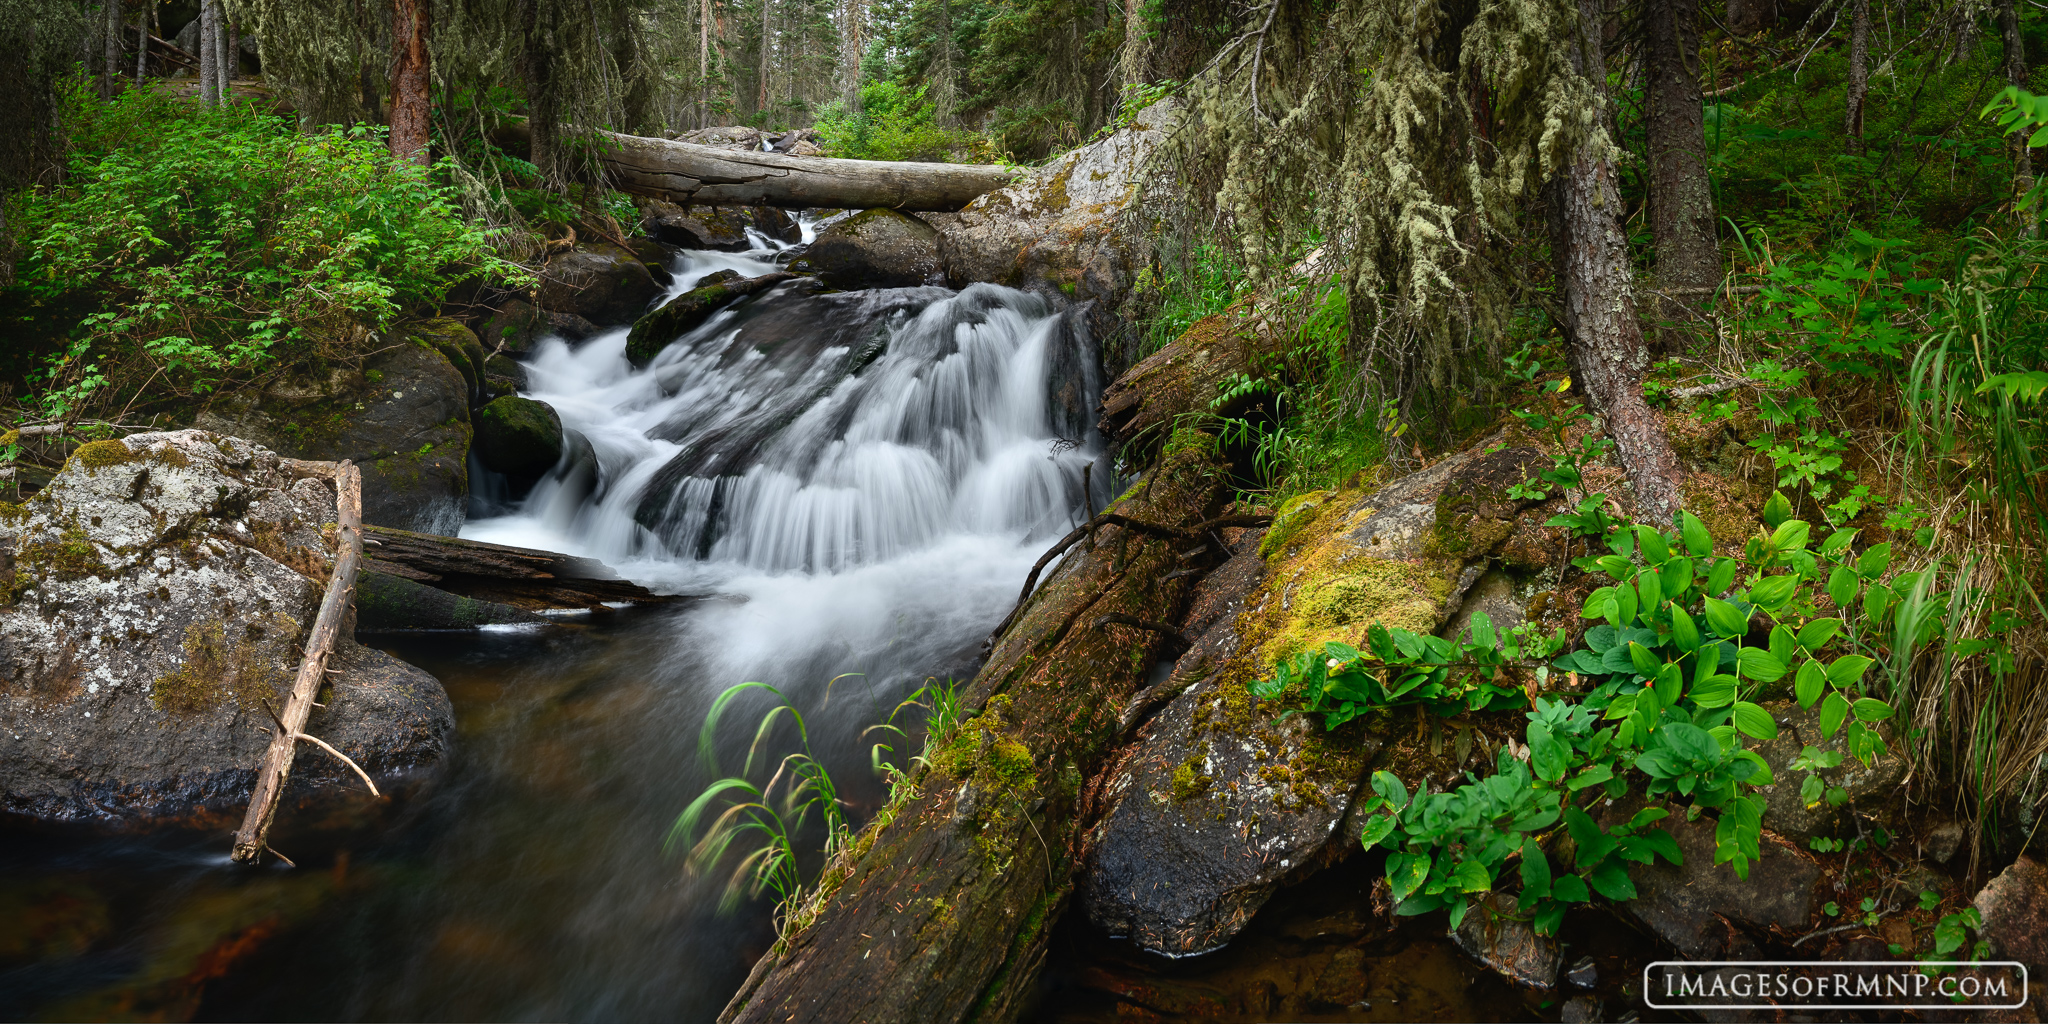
[[219, 671]]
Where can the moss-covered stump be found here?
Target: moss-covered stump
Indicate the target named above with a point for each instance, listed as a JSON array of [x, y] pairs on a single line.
[[1224, 797], [153, 606], [686, 312], [1143, 405], [941, 909], [518, 437], [874, 249]]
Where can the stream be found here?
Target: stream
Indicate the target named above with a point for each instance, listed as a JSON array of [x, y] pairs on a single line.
[[848, 488]]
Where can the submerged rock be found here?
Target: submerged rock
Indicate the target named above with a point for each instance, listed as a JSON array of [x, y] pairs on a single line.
[[874, 249], [686, 312], [160, 587], [518, 437], [404, 419]]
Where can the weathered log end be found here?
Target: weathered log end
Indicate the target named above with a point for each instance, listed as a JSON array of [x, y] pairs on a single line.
[[940, 910]]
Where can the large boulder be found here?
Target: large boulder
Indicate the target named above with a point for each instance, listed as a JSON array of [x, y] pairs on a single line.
[[518, 437], [1866, 786], [874, 249], [1225, 797], [719, 228], [1065, 226], [684, 313], [598, 281], [158, 592], [2014, 906], [404, 419]]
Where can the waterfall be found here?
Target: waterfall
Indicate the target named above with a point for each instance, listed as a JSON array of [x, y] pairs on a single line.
[[842, 462]]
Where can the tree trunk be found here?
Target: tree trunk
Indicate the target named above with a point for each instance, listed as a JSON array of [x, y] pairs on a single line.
[[521, 577], [2016, 75], [144, 28], [1681, 200], [852, 14], [1604, 341], [207, 54], [112, 71], [230, 51], [704, 64], [537, 73], [1134, 65], [767, 45], [1859, 75], [411, 134], [683, 173]]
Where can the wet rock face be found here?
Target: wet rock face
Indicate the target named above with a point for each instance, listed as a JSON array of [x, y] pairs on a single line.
[[160, 589], [1505, 941], [1867, 786], [874, 249], [600, 282], [1699, 906], [518, 437], [720, 228], [2015, 910], [688, 311], [1064, 225]]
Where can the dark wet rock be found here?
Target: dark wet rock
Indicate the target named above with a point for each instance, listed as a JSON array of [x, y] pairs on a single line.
[[1940, 844], [1584, 974], [1867, 785], [1697, 906], [513, 327], [2014, 906], [1507, 943], [164, 586], [718, 228], [404, 420], [1579, 1010], [571, 326], [390, 603], [599, 281], [686, 312], [518, 437], [874, 249]]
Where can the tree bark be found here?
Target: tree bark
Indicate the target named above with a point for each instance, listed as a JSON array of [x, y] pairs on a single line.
[[704, 64], [144, 29], [253, 838], [411, 134], [852, 14], [1681, 199], [767, 46], [112, 71], [1859, 76], [2016, 75], [521, 577], [1604, 342], [684, 173], [207, 54], [537, 73]]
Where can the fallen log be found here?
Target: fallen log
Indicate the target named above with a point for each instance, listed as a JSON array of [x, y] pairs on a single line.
[[253, 837], [686, 174], [521, 577]]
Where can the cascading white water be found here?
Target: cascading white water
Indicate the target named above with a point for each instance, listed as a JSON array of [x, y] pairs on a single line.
[[850, 463]]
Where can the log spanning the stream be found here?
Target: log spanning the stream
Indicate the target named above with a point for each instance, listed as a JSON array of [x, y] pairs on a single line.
[[685, 173], [253, 837], [521, 577]]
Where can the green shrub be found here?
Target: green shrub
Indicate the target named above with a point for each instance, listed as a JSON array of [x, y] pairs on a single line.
[[893, 123], [215, 246]]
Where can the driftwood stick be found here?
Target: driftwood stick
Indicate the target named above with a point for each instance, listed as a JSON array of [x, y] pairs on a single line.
[[252, 839], [345, 759]]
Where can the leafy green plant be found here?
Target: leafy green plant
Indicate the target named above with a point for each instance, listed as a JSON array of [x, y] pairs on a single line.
[[1340, 682], [895, 122]]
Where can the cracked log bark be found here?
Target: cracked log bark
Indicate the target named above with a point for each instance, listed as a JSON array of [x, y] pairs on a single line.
[[1604, 340], [944, 913], [521, 577], [1681, 200], [686, 174]]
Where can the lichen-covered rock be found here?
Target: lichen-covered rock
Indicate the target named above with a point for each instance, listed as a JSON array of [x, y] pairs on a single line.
[[873, 249], [599, 282], [719, 228], [684, 313], [518, 437], [1224, 796], [1065, 225], [404, 419], [2014, 906], [159, 589]]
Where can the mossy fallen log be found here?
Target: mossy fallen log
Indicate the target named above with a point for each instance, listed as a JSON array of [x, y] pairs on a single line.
[[521, 577], [941, 909]]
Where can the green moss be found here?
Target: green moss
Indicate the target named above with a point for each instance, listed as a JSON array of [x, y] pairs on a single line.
[[1297, 513], [1190, 442], [71, 556], [12, 513], [104, 455], [219, 671], [1188, 780]]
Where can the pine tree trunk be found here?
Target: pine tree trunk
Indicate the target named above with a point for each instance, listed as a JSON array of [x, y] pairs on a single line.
[[1134, 65], [1681, 200], [537, 73], [1604, 341], [144, 27], [2016, 75], [112, 71], [230, 51], [767, 7], [411, 133], [853, 13], [207, 54], [704, 64], [1859, 75]]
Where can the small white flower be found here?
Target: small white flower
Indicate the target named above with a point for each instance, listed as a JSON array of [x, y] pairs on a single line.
[[1333, 663]]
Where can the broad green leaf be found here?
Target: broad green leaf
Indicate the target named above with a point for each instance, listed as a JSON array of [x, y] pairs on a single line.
[[1717, 692], [1755, 722], [1815, 634], [1763, 775], [1684, 634], [1870, 709], [1651, 587], [1625, 602], [1471, 876], [1670, 682], [1661, 843], [1837, 541], [1482, 630], [1677, 575], [1847, 669], [1548, 756], [1722, 575], [1812, 679], [1842, 584], [1596, 604], [1535, 872], [1875, 561], [1777, 510], [1644, 661], [1593, 845], [1377, 827], [1697, 541], [1569, 889], [1726, 619], [1772, 592], [1616, 566], [1790, 536], [1876, 601], [1611, 880], [1592, 776], [1406, 872], [1600, 638], [1653, 545], [1833, 711], [1782, 643], [1388, 785], [1758, 664]]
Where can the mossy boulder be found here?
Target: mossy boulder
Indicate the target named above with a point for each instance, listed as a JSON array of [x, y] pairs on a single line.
[[874, 249], [600, 282], [518, 437], [157, 594], [686, 312]]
